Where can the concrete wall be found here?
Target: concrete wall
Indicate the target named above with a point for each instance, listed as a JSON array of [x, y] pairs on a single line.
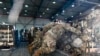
[[26, 22]]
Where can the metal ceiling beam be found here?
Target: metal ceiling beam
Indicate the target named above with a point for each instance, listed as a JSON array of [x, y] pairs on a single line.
[[27, 23], [41, 1], [87, 9], [90, 2], [47, 7], [84, 13], [46, 12], [65, 5]]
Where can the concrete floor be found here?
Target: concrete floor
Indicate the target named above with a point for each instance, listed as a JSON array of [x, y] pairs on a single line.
[[16, 52], [19, 51], [22, 51]]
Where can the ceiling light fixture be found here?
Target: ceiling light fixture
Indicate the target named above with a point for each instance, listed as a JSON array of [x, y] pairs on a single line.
[[5, 8], [47, 8], [25, 10], [92, 9], [40, 15], [63, 11], [73, 5], [43, 12], [52, 17], [56, 14], [26, 6], [25, 14], [54, 2], [7, 12], [72, 16], [1, 2], [80, 13]]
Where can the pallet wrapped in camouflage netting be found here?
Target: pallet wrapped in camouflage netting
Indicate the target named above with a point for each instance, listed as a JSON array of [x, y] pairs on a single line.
[[61, 37]]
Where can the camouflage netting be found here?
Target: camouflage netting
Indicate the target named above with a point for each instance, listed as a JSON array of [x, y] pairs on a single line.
[[71, 39], [93, 26], [36, 37], [60, 36]]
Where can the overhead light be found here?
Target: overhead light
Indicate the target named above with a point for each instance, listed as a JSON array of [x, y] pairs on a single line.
[[63, 11], [72, 16], [80, 13], [25, 10], [40, 15], [52, 17], [7, 12], [25, 14], [4, 8], [54, 2], [43, 12], [56, 14], [1, 2], [92, 9], [73, 5], [47, 8], [26, 6]]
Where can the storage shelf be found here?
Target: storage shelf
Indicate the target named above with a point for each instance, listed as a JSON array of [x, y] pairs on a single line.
[[6, 36]]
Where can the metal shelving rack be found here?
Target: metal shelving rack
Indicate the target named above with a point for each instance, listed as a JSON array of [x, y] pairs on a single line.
[[6, 36]]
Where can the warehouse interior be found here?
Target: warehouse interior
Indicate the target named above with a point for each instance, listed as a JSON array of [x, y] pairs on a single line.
[[49, 27]]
